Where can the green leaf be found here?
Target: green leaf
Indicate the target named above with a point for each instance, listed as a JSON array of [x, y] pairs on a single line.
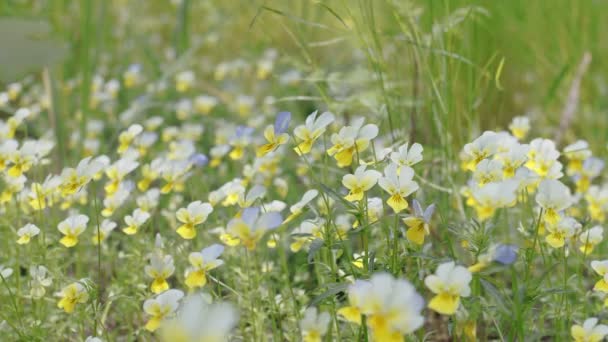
[[27, 46], [493, 292], [315, 245], [332, 290], [333, 194]]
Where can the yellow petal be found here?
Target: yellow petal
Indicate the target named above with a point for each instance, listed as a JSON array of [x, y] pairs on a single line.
[[601, 285], [555, 241], [69, 241], [130, 230], [304, 147], [196, 279], [159, 285], [397, 203], [187, 232], [230, 240], [445, 303], [24, 239], [351, 314], [416, 234], [344, 157], [265, 149], [153, 324], [66, 304], [354, 195]]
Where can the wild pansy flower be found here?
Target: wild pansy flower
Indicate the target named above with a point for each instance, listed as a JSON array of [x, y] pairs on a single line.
[[590, 331], [298, 208], [183, 109], [314, 325], [201, 263], [126, 138], [493, 196], [250, 227], [23, 159], [114, 201], [40, 195], [200, 320], [553, 196], [162, 307], [449, 283], [513, 159], [419, 223], [597, 200], [174, 174], [519, 127], [241, 139], [135, 221], [576, 154], [7, 149], [184, 81], [601, 268], [312, 129], [244, 104], [275, 134], [592, 167], [230, 193], [73, 294], [149, 173], [105, 229], [40, 279], [117, 172], [399, 185], [71, 228], [543, 159], [305, 233], [350, 140], [204, 104], [591, 238], [72, 180], [559, 232], [359, 182], [12, 185], [392, 307], [132, 76], [407, 155], [195, 214], [26, 233], [478, 150], [14, 90], [144, 141], [160, 268], [217, 153]]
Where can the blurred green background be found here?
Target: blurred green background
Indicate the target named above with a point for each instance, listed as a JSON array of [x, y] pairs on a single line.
[[438, 72]]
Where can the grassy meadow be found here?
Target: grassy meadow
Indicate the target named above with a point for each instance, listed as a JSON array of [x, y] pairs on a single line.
[[340, 170]]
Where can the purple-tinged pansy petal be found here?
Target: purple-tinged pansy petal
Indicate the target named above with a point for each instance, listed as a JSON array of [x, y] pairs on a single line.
[[428, 213], [212, 252], [269, 220], [505, 254], [242, 131], [199, 159], [417, 208], [281, 123], [249, 215]]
